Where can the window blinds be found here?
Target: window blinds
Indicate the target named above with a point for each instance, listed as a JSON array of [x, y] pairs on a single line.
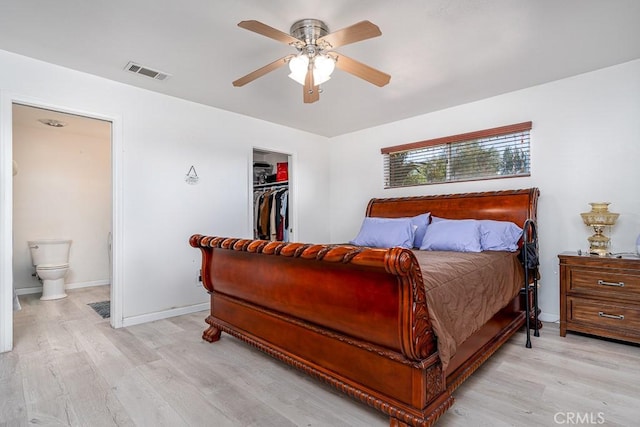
[[487, 154]]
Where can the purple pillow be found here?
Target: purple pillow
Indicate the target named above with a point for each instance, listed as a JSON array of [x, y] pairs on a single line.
[[421, 222], [452, 235], [499, 235], [385, 233]]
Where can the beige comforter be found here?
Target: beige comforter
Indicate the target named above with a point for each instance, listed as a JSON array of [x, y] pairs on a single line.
[[464, 290]]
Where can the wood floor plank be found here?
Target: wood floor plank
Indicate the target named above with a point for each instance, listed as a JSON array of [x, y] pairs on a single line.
[[57, 411], [190, 403], [69, 367], [143, 403], [30, 332], [12, 404], [20, 422], [109, 361], [131, 347], [94, 403], [41, 376], [8, 365], [151, 335]]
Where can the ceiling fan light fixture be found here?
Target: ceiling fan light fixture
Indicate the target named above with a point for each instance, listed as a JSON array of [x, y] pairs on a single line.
[[298, 65], [323, 66]]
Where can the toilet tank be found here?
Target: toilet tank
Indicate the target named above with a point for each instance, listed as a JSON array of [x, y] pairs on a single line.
[[49, 251]]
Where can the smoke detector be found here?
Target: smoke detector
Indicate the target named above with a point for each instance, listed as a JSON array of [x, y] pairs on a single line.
[[146, 71]]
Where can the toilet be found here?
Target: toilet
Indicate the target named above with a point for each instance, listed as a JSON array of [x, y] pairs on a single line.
[[51, 259]]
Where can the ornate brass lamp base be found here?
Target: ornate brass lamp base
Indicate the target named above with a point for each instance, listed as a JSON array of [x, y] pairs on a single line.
[[599, 217], [598, 243]]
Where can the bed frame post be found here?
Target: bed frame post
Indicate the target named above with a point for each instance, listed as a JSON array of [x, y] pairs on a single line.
[[212, 333]]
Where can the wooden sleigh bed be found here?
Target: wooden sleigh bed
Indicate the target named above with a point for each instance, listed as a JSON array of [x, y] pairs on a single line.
[[358, 318]]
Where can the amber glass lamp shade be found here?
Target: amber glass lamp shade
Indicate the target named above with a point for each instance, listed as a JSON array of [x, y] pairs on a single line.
[[598, 218]]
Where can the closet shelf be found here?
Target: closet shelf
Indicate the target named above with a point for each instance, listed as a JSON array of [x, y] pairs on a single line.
[[271, 184]]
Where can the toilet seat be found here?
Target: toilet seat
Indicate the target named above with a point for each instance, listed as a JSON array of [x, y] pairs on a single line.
[[51, 266]]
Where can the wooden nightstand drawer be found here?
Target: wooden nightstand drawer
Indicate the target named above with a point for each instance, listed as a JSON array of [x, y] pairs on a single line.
[[600, 296], [614, 283], [607, 320], [602, 314]]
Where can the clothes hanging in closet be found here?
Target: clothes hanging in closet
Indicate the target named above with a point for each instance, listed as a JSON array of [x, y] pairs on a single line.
[[271, 213]]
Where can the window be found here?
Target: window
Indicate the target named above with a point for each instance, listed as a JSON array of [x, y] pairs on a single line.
[[501, 152]]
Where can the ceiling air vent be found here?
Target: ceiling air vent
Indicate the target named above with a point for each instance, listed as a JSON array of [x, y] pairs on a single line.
[[145, 71]]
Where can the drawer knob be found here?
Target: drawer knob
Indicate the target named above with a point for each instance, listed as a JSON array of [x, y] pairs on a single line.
[[611, 316], [618, 284]]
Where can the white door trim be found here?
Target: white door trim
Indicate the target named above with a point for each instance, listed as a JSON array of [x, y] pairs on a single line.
[[6, 208], [6, 223]]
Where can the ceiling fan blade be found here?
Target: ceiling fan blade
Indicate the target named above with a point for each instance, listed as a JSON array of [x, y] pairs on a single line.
[[267, 31], [311, 91], [262, 71], [361, 70], [357, 32]]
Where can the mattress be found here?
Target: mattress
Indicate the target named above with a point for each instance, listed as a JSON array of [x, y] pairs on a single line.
[[464, 290]]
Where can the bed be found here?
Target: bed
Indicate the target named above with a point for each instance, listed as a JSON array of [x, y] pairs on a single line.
[[359, 318]]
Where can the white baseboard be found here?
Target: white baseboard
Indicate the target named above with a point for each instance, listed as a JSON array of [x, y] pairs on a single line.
[[549, 317], [159, 315], [87, 284], [27, 291], [38, 289]]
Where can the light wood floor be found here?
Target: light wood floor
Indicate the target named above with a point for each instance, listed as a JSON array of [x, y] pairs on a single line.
[[69, 367]]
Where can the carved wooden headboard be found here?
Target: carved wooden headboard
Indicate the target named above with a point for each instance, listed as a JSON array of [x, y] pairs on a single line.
[[512, 205]]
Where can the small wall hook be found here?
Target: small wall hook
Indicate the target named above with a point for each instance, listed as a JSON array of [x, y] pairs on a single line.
[[191, 177]]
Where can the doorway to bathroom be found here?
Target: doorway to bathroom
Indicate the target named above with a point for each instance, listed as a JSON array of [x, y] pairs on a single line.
[[62, 189]]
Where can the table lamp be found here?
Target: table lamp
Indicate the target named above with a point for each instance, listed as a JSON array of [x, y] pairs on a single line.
[[599, 217]]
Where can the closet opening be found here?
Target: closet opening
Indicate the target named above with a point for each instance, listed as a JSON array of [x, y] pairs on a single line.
[[271, 201]]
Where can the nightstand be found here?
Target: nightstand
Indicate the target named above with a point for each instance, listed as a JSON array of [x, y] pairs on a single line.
[[600, 296]]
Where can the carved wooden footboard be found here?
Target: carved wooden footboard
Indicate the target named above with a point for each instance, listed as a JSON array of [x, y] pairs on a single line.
[[355, 318]]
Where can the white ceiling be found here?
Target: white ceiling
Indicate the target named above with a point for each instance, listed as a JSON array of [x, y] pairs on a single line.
[[29, 117], [439, 53]]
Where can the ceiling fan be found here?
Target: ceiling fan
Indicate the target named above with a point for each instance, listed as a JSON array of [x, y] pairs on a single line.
[[316, 57]]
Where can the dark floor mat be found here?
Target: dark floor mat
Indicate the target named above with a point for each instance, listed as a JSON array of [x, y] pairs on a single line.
[[103, 308]]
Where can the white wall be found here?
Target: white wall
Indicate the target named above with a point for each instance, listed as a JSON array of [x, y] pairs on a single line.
[[585, 147], [162, 137], [62, 190]]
